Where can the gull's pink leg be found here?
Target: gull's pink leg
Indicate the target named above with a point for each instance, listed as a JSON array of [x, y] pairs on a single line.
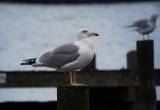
[[74, 77], [74, 80], [70, 78]]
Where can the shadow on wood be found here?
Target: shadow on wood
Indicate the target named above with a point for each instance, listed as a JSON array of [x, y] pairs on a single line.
[[72, 98]]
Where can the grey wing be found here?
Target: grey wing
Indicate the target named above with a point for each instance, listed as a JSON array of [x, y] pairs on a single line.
[[66, 49], [60, 56], [144, 23]]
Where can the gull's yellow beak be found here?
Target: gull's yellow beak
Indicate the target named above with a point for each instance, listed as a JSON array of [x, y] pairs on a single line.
[[94, 34]]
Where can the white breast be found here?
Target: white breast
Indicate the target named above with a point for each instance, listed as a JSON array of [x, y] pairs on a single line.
[[86, 55], [147, 30]]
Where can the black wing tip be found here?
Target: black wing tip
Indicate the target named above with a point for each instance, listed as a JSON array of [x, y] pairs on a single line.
[[24, 64], [29, 61]]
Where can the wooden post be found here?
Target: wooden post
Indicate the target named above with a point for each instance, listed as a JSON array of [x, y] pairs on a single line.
[[146, 89], [92, 65], [132, 60], [72, 98]]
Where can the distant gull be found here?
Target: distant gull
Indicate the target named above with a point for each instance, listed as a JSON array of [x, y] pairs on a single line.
[[145, 26], [68, 57]]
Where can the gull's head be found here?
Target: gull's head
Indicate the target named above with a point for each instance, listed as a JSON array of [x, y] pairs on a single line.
[[154, 17], [85, 33]]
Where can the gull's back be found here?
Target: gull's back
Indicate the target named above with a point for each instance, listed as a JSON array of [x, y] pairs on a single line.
[[142, 24]]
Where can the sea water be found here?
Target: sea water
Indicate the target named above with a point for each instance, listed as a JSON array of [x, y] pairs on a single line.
[[29, 30], [39, 94]]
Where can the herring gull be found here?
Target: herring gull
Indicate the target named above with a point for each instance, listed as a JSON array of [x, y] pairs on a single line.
[[145, 26], [68, 57]]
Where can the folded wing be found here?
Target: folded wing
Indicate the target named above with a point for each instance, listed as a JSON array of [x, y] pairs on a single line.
[[60, 56]]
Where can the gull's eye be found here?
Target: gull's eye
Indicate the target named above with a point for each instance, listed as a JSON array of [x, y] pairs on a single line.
[[84, 31]]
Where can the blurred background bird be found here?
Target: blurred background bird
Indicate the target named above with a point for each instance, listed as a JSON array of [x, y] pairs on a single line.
[[145, 26]]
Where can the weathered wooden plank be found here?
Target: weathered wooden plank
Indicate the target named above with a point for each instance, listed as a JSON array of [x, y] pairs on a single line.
[[111, 78]]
